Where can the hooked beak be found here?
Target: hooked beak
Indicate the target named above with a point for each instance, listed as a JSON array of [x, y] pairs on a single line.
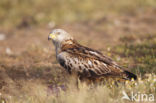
[[51, 36]]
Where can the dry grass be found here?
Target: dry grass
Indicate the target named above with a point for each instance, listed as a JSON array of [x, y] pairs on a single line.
[[35, 92]]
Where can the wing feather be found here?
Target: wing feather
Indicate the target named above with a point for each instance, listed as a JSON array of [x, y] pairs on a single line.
[[87, 62]]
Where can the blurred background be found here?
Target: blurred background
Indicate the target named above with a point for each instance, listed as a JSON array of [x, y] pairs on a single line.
[[38, 12], [125, 30]]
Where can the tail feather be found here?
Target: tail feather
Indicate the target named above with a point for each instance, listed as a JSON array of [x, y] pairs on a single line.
[[130, 75]]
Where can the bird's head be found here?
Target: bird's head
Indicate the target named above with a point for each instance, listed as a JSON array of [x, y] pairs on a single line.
[[58, 36]]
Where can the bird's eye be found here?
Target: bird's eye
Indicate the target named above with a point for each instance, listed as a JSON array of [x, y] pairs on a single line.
[[58, 33]]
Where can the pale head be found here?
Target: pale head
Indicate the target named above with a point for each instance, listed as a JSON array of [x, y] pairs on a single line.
[[58, 36]]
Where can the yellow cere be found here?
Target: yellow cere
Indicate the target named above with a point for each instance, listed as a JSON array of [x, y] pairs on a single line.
[[52, 36]]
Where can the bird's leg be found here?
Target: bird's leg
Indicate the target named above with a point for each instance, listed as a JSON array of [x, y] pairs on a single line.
[[77, 83], [74, 82]]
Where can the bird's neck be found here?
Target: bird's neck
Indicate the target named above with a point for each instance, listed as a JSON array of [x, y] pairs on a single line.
[[65, 45]]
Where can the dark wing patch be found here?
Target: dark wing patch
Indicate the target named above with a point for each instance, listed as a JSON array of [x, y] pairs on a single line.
[[63, 64]]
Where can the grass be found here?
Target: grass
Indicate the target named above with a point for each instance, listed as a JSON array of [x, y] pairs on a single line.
[[142, 50], [85, 94]]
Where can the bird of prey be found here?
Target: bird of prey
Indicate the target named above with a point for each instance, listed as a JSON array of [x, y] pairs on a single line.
[[85, 62]]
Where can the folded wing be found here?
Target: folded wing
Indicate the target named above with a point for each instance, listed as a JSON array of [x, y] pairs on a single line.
[[88, 62]]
